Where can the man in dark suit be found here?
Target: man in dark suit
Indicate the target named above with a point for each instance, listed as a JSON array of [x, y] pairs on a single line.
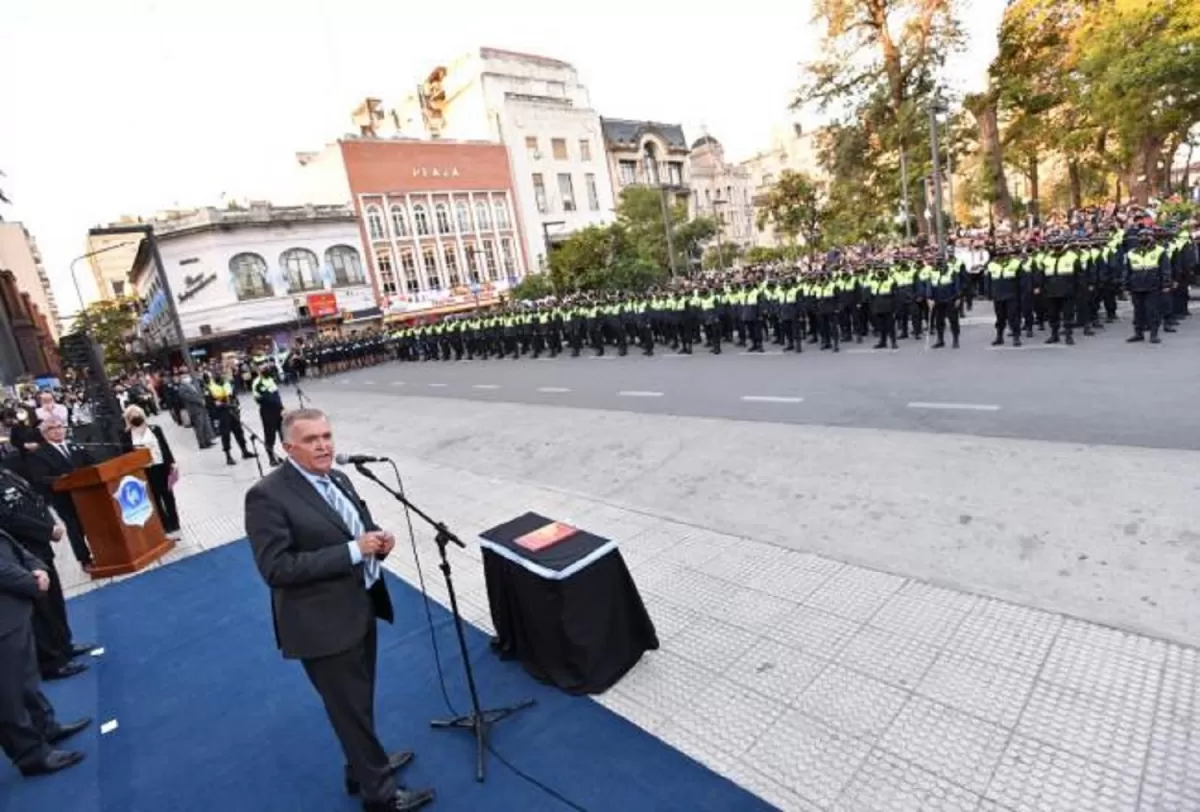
[[54, 458], [24, 514], [28, 728], [319, 551]]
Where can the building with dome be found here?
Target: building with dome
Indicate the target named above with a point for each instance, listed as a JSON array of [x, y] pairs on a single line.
[[721, 190]]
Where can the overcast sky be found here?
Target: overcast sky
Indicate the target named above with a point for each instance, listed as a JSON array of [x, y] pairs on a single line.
[[111, 107]]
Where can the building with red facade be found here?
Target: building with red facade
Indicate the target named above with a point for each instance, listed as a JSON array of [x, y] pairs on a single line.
[[438, 217]]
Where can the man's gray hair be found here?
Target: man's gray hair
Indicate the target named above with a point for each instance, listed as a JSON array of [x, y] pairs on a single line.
[[293, 416]]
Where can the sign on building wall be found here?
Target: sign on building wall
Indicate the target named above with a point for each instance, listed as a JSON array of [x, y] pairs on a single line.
[[321, 305]]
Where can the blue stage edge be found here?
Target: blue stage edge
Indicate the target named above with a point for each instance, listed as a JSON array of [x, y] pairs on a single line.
[[211, 719]]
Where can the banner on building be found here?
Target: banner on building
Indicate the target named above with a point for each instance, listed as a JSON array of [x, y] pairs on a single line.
[[322, 305]]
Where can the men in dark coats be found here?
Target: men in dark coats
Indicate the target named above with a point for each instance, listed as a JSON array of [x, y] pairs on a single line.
[[28, 729]]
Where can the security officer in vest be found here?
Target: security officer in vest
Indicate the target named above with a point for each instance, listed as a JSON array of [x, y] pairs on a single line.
[[1003, 281], [944, 285], [1147, 278], [228, 415], [24, 514], [270, 408]]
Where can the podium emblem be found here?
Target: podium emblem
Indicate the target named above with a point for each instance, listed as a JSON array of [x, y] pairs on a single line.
[[134, 500]]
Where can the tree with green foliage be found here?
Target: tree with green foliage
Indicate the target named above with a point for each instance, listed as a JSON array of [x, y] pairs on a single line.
[[795, 207], [534, 286], [111, 324], [875, 69], [721, 256]]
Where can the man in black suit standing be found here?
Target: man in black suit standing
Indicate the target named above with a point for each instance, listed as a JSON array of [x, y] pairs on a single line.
[[319, 550], [24, 514], [28, 728], [54, 458]]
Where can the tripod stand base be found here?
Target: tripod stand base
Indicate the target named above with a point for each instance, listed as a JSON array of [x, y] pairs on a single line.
[[478, 724]]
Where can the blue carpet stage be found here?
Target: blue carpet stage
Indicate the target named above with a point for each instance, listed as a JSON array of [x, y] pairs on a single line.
[[210, 718]]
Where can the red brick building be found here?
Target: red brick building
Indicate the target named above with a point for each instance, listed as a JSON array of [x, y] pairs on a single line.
[[438, 218]]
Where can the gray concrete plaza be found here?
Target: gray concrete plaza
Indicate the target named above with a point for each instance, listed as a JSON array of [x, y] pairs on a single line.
[[863, 604]]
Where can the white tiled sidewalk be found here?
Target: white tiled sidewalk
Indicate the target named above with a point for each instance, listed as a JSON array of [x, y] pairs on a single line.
[[819, 685]]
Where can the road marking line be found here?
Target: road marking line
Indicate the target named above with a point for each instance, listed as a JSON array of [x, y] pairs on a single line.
[[108, 727], [486, 386], [369, 383], [602, 357], [970, 407], [545, 359], [1026, 347], [770, 399], [437, 385], [554, 389], [765, 352], [397, 383], [869, 351], [635, 393]]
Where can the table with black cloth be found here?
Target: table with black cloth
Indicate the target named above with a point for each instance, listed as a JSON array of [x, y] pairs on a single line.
[[569, 612]]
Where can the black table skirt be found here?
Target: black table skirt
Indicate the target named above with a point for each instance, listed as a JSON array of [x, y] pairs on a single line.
[[581, 633]]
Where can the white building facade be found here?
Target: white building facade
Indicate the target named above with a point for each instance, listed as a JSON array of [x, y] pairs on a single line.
[[541, 111], [722, 191], [266, 272]]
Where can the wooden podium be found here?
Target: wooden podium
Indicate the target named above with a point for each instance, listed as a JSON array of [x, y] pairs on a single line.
[[117, 513]]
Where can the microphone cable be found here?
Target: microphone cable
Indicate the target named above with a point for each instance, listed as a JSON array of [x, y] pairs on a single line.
[[437, 660]]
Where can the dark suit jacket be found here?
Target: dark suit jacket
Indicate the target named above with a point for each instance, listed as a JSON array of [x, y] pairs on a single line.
[[46, 465], [164, 446], [18, 587], [25, 515], [318, 600]]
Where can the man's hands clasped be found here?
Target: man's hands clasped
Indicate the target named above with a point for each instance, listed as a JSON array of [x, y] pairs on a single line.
[[377, 543], [43, 580]]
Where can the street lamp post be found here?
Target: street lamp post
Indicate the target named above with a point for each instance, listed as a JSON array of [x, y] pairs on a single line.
[[934, 109], [75, 279], [147, 233]]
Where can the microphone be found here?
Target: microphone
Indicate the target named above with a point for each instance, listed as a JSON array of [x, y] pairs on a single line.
[[357, 459]]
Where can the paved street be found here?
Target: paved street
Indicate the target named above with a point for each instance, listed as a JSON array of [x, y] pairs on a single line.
[[1100, 391], [851, 618]]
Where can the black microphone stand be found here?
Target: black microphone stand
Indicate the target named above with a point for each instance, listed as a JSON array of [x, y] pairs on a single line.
[[479, 720], [254, 444], [300, 395]]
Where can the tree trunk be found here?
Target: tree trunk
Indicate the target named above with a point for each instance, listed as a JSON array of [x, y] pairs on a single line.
[[1073, 172], [1035, 207], [983, 109], [1187, 170]]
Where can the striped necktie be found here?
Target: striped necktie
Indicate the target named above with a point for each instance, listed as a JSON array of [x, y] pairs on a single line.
[[341, 505]]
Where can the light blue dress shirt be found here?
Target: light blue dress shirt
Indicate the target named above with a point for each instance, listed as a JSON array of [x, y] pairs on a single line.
[[317, 483]]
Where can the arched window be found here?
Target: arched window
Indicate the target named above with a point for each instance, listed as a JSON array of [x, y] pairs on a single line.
[[420, 219], [375, 223], [501, 209], [250, 277], [483, 219], [409, 266], [650, 156], [346, 266], [450, 260], [399, 221], [463, 214], [433, 279], [472, 263], [441, 213], [301, 269]]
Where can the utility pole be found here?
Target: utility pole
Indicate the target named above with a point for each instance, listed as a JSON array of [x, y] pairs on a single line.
[[666, 211], [934, 108]]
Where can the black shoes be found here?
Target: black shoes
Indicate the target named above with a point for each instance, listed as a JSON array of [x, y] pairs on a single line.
[[395, 762], [68, 730], [57, 760], [68, 670], [403, 801]]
